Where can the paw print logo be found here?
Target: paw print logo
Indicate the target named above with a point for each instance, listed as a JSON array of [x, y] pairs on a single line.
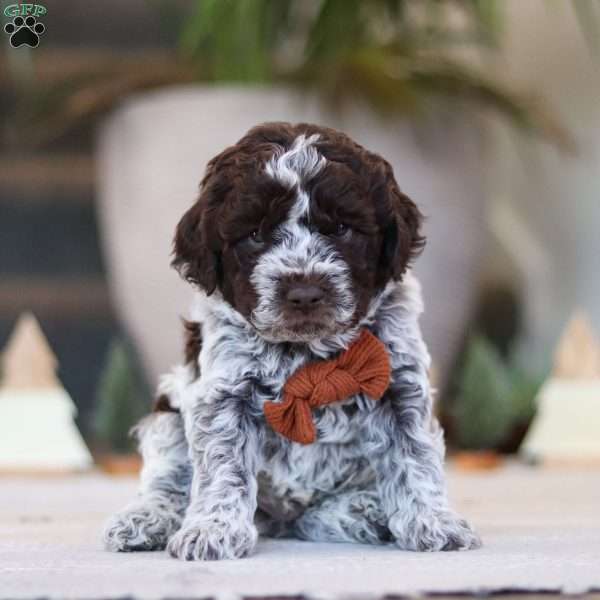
[[24, 32]]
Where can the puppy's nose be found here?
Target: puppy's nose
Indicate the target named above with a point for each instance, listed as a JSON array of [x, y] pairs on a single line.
[[304, 295]]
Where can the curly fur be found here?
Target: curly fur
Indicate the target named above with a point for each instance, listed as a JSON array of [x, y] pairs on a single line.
[[156, 514], [215, 474]]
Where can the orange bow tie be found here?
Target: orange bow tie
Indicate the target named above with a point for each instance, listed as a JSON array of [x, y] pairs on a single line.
[[363, 367]]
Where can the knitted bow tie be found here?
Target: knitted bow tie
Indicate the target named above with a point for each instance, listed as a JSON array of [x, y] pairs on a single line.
[[363, 367]]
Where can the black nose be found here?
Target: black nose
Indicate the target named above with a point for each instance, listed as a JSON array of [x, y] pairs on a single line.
[[304, 295]]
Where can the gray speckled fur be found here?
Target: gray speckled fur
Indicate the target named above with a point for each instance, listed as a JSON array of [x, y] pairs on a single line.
[[375, 473], [156, 514]]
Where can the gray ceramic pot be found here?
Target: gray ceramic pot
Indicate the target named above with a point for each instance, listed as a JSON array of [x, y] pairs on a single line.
[[152, 153]]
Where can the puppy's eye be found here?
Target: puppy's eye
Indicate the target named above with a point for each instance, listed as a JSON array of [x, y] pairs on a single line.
[[252, 242], [255, 238], [342, 230]]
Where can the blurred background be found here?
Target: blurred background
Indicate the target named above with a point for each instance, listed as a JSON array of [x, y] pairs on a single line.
[[489, 112]]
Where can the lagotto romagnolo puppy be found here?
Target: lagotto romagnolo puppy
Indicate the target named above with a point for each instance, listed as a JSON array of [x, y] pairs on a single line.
[[300, 239]]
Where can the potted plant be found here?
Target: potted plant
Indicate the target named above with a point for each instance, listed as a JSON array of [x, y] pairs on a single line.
[[493, 407], [120, 405], [391, 73]]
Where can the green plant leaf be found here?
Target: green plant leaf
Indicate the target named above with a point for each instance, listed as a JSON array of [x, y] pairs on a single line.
[[524, 389], [483, 409], [120, 399], [494, 396], [397, 56]]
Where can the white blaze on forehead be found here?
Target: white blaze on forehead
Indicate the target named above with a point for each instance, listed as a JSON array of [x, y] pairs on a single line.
[[301, 162], [298, 251]]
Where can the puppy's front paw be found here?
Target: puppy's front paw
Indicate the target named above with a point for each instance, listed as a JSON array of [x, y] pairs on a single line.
[[433, 531], [213, 541], [140, 527]]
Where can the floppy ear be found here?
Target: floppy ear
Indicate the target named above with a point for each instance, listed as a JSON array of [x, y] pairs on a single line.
[[402, 240], [194, 259]]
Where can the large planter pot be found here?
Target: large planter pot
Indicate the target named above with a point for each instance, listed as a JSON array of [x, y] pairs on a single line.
[[548, 218], [152, 152]]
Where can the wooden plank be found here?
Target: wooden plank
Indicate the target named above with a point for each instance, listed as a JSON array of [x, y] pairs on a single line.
[[57, 64], [39, 175], [52, 65], [55, 297]]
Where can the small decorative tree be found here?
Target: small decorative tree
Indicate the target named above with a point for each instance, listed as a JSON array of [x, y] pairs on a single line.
[[577, 355], [28, 361], [565, 427], [483, 410], [120, 400], [37, 426]]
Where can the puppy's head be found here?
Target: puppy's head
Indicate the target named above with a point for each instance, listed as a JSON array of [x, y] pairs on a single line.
[[298, 228]]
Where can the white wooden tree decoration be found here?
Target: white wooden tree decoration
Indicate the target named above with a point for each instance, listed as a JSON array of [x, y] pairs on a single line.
[[567, 424], [577, 355], [37, 428]]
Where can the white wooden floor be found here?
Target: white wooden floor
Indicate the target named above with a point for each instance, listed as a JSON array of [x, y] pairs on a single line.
[[541, 532]]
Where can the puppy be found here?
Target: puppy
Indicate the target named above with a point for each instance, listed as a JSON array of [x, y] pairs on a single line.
[[300, 240]]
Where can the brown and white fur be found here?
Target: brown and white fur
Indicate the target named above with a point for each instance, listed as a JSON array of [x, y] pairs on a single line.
[[300, 238]]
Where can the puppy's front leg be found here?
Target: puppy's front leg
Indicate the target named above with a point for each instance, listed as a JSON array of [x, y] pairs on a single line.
[[224, 448], [406, 449]]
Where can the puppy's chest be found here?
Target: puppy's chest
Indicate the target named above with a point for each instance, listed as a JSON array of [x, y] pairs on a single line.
[[291, 473], [291, 476]]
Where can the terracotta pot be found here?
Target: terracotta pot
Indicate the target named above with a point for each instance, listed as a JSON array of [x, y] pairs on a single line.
[[478, 460], [120, 464]]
